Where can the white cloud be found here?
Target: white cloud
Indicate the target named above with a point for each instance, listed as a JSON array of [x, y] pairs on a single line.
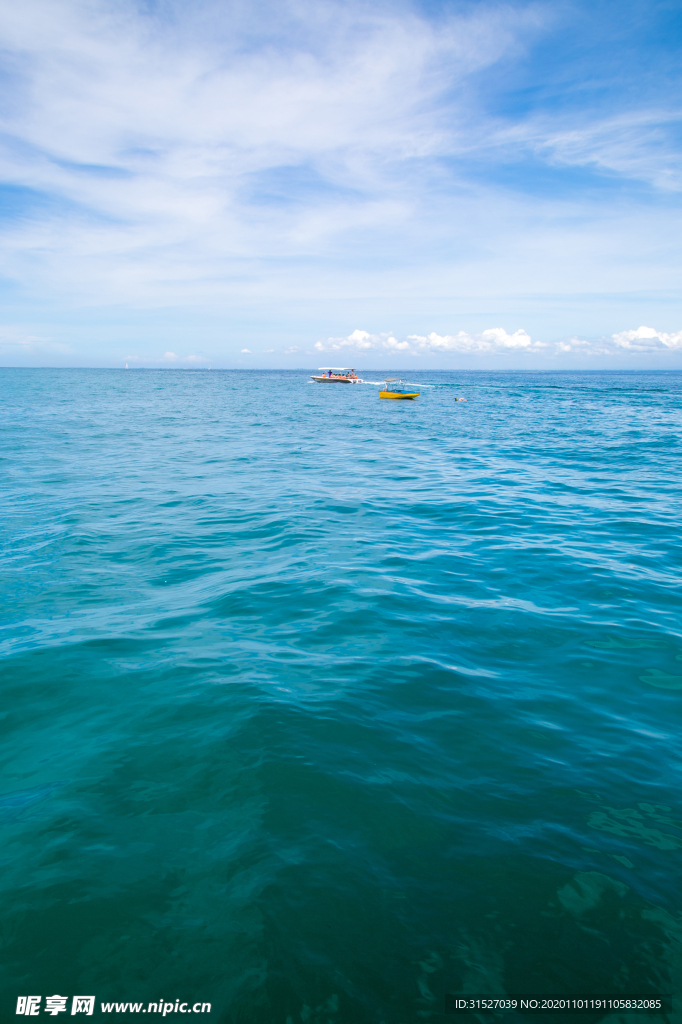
[[10, 335], [246, 350], [251, 161], [14, 341], [362, 341], [639, 144], [176, 141], [646, 339], [487, 341], [497, 339], [167, 358]]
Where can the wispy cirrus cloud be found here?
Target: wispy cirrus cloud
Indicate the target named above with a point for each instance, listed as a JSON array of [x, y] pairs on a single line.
[[15, 340], [167, 145], [243, 163], [638, 145]]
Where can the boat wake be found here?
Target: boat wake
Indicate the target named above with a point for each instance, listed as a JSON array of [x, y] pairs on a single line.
[[380, 383]]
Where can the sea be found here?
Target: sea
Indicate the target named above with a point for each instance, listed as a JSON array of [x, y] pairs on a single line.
[[321, 709]]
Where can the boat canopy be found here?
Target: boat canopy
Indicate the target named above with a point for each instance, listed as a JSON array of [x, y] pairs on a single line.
[[338, 369]]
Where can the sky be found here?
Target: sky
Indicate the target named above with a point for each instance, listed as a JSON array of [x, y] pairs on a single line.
[[208, 183]]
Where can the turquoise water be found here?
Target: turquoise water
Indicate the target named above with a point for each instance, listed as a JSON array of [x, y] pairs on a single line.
[[317, 707]]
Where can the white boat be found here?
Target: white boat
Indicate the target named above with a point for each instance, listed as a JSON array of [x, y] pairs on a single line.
[[337, 375]]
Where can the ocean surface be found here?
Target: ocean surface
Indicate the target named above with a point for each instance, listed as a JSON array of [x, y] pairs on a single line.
[[317, 707]]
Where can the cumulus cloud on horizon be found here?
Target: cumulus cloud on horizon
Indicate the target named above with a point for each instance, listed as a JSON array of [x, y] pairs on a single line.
[[497, 339], [646, 339], [487, 341]]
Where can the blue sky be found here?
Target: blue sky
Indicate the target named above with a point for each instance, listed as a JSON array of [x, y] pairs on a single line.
[[395, 184]]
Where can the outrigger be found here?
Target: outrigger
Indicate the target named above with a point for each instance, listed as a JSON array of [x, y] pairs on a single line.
[[396, 389], [337, 375]]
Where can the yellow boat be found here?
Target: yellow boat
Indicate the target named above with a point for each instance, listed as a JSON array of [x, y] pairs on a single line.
[[397, 389]]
